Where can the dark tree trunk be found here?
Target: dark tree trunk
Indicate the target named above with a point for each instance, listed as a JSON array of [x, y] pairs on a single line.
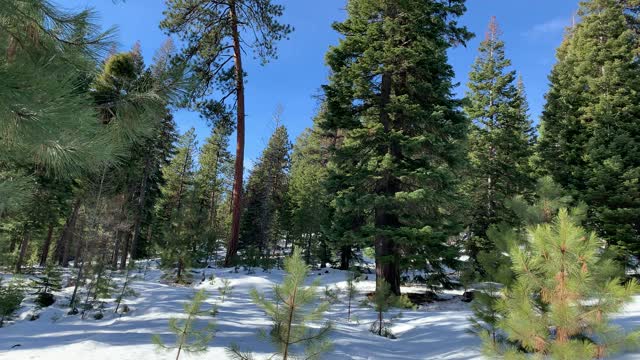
[[23, 251], [345, 257], [141, 201], [66, 236], [44, 252], [232, 247], [125, 250], [116, 250], [387, 259]]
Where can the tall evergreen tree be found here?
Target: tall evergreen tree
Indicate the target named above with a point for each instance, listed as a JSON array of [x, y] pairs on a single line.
[[232, 27], [390, 95], [589, 133], [214, 158], [177, 209], [500, 139], [308, 195], [265, 196]]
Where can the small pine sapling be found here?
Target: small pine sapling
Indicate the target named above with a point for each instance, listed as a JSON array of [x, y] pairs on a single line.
[[331, 295], [212, 279], [563, 296], [11, 296], [125, 290], [351, 291], [383, 300], [497, 276], [292, 314], [48, 282], [225, 289], [188, 338]]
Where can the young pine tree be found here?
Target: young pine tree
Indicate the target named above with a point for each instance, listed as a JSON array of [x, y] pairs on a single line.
[[563, 296], [496, 273], [47, 283], [389, 96], [225, 289], [290, 312], [189, 338], [11, 296], [500, 140]]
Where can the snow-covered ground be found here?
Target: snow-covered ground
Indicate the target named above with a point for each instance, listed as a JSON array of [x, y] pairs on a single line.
[[436, 331]]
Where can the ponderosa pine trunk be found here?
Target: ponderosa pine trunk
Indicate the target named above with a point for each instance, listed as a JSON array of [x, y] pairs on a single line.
[[232, 247], [44, 252]]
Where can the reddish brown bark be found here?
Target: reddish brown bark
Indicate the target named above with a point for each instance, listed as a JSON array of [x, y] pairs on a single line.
[[232, 247]]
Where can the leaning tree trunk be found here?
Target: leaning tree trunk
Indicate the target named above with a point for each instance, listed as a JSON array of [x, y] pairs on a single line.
[[232, 247], [44, 252]]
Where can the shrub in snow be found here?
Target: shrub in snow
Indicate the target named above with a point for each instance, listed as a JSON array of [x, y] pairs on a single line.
[[291, 311], [188, 337]]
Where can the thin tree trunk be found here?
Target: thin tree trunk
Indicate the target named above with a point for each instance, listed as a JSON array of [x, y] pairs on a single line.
[[64, 241], [232, 247], [23, 251], [141, 201], [116, 250], [125, 251], [44, 252]]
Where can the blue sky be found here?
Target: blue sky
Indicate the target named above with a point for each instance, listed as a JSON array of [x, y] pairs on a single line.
[[532, 31]]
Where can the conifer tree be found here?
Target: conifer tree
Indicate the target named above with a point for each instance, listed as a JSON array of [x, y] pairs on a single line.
[[11, 296], [564, 294], [310, 208], [496, 274], [178, 208], [589, 131], [265, 197], [225, 289], [189, 338], [48, 282], [290, 312], [390, 97], [500, 140], [214, 159], [233, 27], [351, 292]]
